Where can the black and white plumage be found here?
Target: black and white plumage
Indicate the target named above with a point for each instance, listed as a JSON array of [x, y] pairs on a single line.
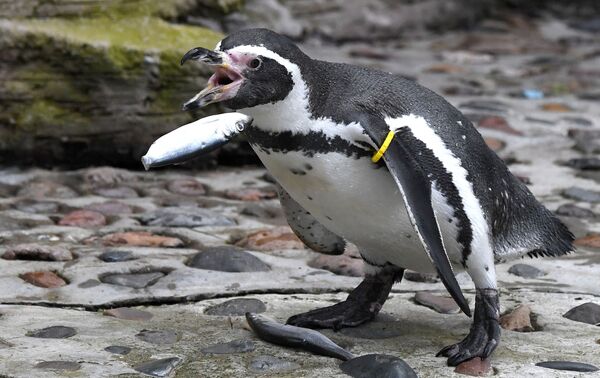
[[439, 201]]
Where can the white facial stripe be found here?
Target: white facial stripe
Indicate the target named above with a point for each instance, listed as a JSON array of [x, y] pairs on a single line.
[[293, 114], [481, 250], [218, 46]]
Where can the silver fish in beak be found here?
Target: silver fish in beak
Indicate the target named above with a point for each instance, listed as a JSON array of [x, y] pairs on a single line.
[[195, 139]]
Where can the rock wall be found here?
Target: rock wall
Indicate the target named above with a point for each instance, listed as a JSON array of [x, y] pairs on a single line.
[[95, 82]]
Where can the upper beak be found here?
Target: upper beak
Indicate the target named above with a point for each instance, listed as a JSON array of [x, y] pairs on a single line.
[[204, 55], [222, 85]]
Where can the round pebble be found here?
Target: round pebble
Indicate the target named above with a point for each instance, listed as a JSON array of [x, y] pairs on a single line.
[[157, 337], [270, 364], [159, 368], [53, 332], [237, 307], [58, 365], [116, 256], [133, 280], [235, 346], [118, 349], [526, 271], [228, 259], [377, 365]]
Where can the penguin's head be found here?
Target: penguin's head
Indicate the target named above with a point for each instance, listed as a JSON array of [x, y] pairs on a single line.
[[251, 67]]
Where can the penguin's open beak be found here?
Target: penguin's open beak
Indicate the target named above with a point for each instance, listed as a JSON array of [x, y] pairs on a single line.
[[222, 85]]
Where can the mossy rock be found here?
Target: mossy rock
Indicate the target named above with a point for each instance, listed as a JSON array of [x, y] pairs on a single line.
[[168, 9], [95, 89]]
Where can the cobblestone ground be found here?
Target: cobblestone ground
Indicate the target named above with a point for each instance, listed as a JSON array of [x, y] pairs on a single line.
[[109, 272]]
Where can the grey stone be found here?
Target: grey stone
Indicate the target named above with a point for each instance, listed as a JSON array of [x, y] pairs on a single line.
[[586, 141], [116, 192], [110, 208], [127, 313], [159, 368], [116, 256], [89, 283], [228, 259], [581, 194], [270, 364], [586, 313], [579, 121], [157, 337], [587, 163], [526, 271], [53, 332], [237, 307], [37, 207], [260, 210], [591, 96], [36, 251], [568, 365], [485, 105], [570, 210], [185, 217], [46, 189], [5, 344], [134, 280], [377, 365], [235, 346], [58, 365], [118, 349]]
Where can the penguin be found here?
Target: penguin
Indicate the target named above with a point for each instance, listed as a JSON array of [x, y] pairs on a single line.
[[374, 159]]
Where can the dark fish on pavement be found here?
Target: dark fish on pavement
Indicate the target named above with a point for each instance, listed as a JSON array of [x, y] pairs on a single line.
[[297, 337]]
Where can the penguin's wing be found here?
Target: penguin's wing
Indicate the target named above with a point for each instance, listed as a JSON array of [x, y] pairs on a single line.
[[312, 233], [415, 187]]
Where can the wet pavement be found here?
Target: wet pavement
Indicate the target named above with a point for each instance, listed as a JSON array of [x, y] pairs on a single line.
[[108, 272]]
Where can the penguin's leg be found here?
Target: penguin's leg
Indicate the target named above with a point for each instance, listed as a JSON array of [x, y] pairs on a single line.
[[361, 305], [484, 335]]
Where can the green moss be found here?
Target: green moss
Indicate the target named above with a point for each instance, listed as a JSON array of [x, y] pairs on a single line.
[[129, 8], [125, 59], [41, 81], [42, 113], [115, 45], [137, 33]]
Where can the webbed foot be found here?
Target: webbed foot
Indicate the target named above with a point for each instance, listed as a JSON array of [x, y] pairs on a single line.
[[484, 336], [362, 304]]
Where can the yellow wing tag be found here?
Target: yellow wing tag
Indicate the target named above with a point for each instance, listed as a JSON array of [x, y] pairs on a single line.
[[384, 147]]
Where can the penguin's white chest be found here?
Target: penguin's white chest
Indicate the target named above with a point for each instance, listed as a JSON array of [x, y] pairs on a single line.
[[351, 197], [354, 199]]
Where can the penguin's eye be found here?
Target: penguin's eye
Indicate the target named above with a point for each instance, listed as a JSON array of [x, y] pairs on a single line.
[[255, 63]]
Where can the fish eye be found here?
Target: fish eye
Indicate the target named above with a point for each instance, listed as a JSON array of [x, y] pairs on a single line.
[[255, 63]]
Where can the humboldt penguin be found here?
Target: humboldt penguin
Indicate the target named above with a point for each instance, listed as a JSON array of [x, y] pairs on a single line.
[[374, 159]]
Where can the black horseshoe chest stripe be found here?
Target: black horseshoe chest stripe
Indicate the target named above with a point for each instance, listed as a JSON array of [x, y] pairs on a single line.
[[309, 144]]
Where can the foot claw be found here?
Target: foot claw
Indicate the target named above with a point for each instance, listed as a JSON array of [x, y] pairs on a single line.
[[484, 336], [447, 351]]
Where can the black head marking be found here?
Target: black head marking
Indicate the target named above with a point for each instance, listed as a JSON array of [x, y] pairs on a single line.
[[270, 82], [277, 43], [267, 81]]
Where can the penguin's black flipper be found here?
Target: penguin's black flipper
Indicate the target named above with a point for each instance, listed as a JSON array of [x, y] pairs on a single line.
[[416, 190], [312, 233]]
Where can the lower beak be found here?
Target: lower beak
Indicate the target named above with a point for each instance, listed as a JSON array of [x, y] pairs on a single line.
[[207, 96], [222, 85]]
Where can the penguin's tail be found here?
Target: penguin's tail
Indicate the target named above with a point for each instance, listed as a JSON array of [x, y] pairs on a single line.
[[557, 239]]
